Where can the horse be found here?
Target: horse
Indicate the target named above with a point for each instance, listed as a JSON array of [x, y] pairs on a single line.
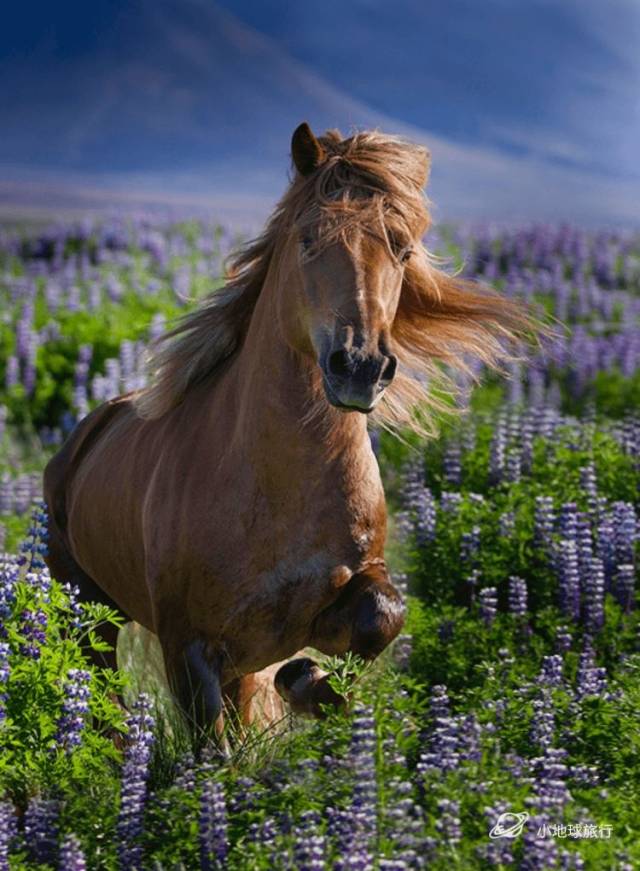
[[234, 506]]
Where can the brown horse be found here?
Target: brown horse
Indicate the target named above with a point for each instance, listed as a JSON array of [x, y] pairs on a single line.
[[234, 506]]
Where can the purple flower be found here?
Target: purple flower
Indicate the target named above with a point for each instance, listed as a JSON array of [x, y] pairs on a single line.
[[624, 587], [517, 596], [488, 602], [71, 855], [8, 831], [594, 596], [213, 826], [133, 790], [309, 846], [33, 625], [41, 829], [448, 824], [75, 708]]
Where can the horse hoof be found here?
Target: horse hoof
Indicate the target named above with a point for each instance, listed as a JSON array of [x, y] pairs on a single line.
[[305, 686]]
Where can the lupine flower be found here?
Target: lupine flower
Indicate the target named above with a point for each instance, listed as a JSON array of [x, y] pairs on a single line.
[[506, 524], [591, 680], [8, 831], [71, 855], [33, 625], [543, 720], [310, 844], [497, 851], [75, 708], [624, 587], [41, 829], [488, 602], [133, 792], [594, 597], [563, 639], [213, 826], [551, 672], [569, 578], [517, 596], [544, 523], [452, 467], [448, 823]]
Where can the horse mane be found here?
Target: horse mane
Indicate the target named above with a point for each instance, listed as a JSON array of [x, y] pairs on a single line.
[[374, 182]]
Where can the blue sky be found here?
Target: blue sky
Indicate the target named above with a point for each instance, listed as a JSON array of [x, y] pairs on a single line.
[[530, 107]]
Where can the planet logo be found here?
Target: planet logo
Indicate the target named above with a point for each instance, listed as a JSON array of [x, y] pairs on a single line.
[[509, 825]]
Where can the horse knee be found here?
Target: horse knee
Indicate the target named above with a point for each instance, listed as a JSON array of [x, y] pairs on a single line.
[[379, 616]]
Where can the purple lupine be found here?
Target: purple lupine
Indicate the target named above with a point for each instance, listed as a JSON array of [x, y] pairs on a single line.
[[363, 810], [71, 855], [497, 851], [507, 524], [5, 672], [470, 547], [402, 650], [625, 525], [75, 708], [551, 671], [133, 790], [544, 523], [569, 578], [591, 680], [450, 501], [33, 629], [310, 844], [448, 823], [41, 829], [452, 467], [497, 450], [543, 721], [488, 605], [568, 521], [563, 639], [624, 586], [212, 833], [8, 831], [539, 851], [443, 742], [594, 597], [550, 775], [517, 596], [606, 547]]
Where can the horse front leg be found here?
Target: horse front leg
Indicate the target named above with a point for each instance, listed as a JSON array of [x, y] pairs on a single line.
[[366, 617], [193, 673]]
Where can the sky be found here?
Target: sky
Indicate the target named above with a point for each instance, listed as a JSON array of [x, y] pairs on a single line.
[[530, 108]]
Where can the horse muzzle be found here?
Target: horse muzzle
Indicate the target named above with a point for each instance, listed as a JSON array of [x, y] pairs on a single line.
[[354, 380]]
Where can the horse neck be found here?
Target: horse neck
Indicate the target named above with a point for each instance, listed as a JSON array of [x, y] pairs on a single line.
[[283, 415]]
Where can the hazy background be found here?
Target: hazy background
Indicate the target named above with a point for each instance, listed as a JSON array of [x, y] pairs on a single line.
[[530, 107]]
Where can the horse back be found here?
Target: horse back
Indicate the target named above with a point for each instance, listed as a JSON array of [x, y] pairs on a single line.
[[62, 467]]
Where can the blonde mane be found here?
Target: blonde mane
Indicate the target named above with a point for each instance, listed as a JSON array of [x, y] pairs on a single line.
[[373, 182]]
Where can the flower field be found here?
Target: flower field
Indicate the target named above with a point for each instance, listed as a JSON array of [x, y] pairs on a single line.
[[502, 730]]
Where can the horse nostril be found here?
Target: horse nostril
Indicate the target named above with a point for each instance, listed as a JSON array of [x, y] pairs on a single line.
[[338, 364], [389, 369]]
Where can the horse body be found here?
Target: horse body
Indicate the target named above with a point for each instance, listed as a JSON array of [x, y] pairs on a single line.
[[225, 520], [234, 507]]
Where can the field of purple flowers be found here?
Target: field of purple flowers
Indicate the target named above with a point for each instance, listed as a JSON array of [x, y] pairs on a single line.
[[502, 730]]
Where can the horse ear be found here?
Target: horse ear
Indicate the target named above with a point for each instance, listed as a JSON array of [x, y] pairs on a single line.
[[306, 151], [426, 167]]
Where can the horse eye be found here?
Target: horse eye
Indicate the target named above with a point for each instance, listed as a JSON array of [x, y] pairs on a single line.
[[306, 242], [405, 254]]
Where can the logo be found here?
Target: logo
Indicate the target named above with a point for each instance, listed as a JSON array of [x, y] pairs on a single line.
[[509, 825]]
